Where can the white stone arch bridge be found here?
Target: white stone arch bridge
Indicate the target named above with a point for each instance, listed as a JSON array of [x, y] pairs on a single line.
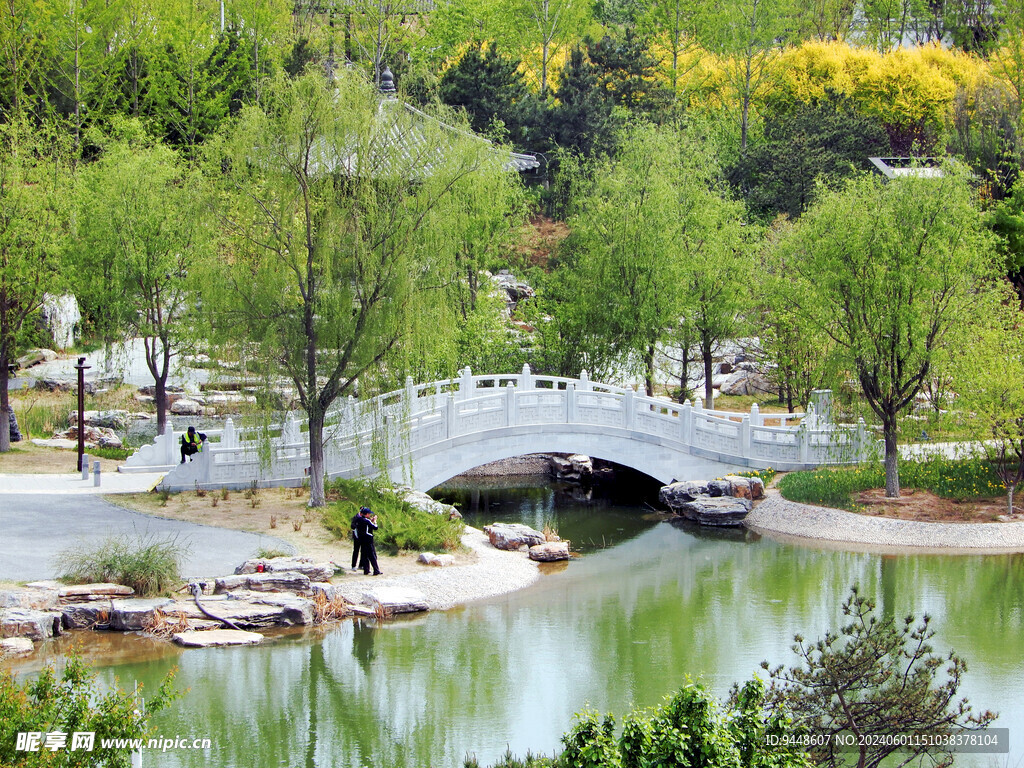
[[425, 434]]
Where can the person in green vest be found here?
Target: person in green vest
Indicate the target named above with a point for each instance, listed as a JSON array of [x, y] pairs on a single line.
[[191, 443]]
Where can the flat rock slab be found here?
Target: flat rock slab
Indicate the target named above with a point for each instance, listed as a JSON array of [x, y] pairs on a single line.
[[285, 581], [438, 561], [85, 615], [259, 611], [15, 646], [303, 565], [25, 622], [550, 551], [396, 599], [81, 592], [720, 511], [135, 615], [512, 536], [36, 599], [216, 637]]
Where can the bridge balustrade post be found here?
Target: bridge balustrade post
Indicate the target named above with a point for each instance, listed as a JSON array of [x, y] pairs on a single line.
[[698, 404], [510, 405], [745, 437], [449, 413], [525, 378], [756, 419], [410, 395], [229, 439], [570, 403], [860, 448], [627, 408], [168, 445], [585, 385], [803, 437], [686, 422], [466, 386]]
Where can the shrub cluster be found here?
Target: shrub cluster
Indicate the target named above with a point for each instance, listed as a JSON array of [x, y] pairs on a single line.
[[971, 478], [149, 566], [401, 526]]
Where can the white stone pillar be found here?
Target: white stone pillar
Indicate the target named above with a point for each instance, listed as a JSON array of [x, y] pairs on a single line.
[[803, 438], [525, 378], [167, 449], [585, 385], [229, 439], [410, 395], [510, 405], [449, 407], [570, 403], [686, 423], [745, 437], [755, 416], [627, 408], [466, 388]]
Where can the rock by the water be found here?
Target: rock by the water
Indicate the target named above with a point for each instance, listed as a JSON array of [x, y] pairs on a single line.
[[439, 561], [15, 646], [94, 436], [720, 511], [283, 581], [396, 599], [116, 419], [40, 599], [25, 622], [423, 502], [303, 565], [550, 551], [35, 357], [85, 615], [135, 615], [215, 637], [745, 383], [99, 591], [249, 611], [512, 536]]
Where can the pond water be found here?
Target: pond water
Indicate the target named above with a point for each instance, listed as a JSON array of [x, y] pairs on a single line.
[[647, 605]]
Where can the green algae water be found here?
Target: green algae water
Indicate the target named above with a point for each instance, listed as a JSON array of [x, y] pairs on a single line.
[[647, 604]]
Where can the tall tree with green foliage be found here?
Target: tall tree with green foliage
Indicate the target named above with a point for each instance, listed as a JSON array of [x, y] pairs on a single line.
[[337, 211], [141, 234], [33, 176], [886, 271]]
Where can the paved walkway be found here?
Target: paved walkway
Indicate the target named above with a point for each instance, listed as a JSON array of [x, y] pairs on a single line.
[[73, 484], [777, 515], [37, 526]]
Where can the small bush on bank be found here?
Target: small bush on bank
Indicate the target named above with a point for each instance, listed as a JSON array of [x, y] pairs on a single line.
[[401, 526], [149, 566], [114, 454], [766, 475], [958, 479]]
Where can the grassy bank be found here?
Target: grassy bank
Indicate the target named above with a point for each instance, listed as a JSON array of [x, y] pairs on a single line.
[[401, 526], [959, 479]]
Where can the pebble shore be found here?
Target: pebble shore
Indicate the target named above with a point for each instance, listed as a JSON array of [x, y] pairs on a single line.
[[495, 572], [778, 515]]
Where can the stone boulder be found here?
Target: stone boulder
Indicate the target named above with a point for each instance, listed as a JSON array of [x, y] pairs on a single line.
[[135, 615], [186, 406], [745, 382], [423, 502], [438, 561], [746, 487], [550, 551], [35, 357], [77, 593], [85, 615], [62, 385], [115, 419], [303, 565], [15, 646], [26, 597], [396, 600], [94, 436], [247, 610], [283, 581], [217, 637], [721, 511], [26, 622], [512, 536]]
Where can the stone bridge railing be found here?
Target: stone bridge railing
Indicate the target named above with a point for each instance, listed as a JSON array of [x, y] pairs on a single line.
[[385, 432]]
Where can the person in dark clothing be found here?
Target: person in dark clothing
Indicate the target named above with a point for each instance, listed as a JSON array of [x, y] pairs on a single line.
[[365, 526], [191, 442], [355, 535]]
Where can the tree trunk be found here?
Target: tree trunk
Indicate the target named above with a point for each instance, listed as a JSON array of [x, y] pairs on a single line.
[[709, 389], [317, 497], [5, 404], [1010, 487], [160, 400], [684, 375], [892, 467], [649, 373]]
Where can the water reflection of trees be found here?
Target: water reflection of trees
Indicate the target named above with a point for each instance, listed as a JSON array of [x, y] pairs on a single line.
[[620, 626]]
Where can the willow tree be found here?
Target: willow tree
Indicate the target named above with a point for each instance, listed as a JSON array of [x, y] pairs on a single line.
[[32, 177], [338, 207], [887, 271]]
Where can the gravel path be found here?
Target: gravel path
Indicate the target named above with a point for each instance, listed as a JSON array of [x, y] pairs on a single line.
[[777, 515], [494, 573]]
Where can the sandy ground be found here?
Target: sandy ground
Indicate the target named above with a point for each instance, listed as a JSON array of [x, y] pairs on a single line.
[[25, 457]]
